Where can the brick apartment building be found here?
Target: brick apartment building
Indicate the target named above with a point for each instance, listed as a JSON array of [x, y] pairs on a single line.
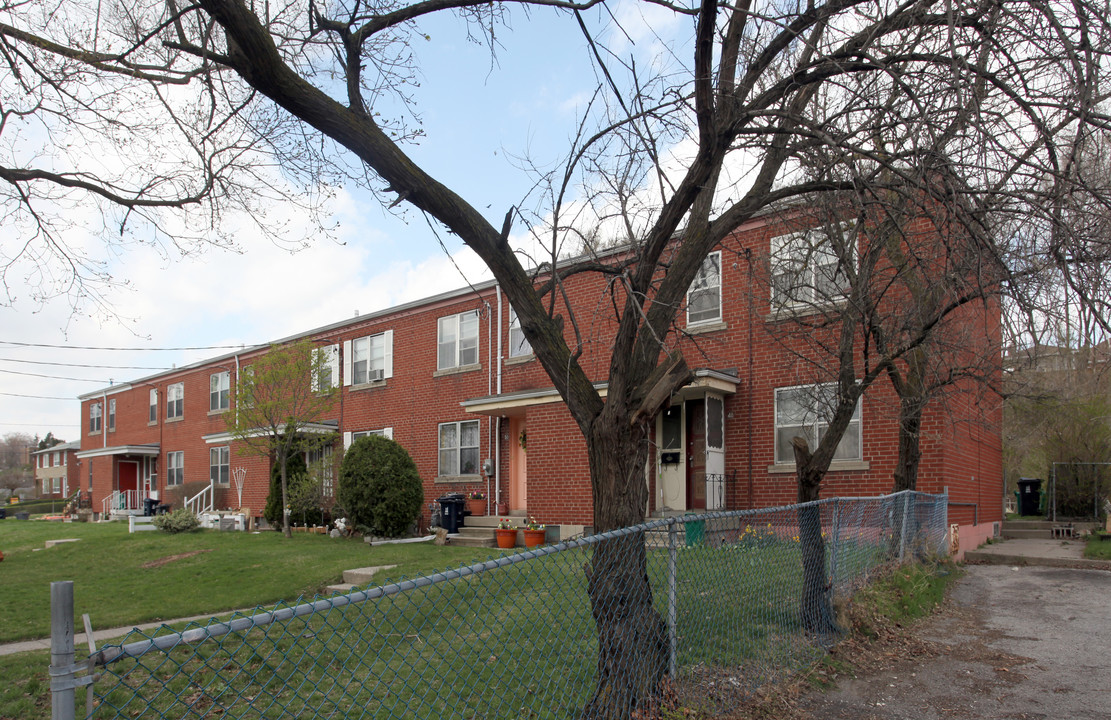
[[56, 470], [451, 378]]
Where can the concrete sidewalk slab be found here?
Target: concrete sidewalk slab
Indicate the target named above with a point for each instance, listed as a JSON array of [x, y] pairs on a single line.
[[1037, 552]]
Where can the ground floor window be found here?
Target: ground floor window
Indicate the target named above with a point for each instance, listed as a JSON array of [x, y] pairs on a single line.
[[218, 465], [805, 411], [175, 467], [322, 467], [459, 448]]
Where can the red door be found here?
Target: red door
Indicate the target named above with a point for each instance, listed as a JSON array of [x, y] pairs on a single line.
[[696, 455], [129, 483]]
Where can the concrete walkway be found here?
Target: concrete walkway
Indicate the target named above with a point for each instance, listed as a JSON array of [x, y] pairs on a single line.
[[1044, 553], [103, 636]]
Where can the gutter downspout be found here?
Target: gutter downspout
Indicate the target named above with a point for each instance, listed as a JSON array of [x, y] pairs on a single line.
[[497, 425], [490, 381]]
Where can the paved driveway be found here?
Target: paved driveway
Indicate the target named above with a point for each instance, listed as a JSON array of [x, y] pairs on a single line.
[[1015, 643]]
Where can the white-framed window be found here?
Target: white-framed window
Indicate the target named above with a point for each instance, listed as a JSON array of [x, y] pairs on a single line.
[[57, 459], [368, 359], [95, 411], [459, 448], [219, 389], [57, 485], [350, 437], [175, 401], [153, 405], [219, 465], [457, 340], [704, 294], [321, 464], [326, 368], [518, 345], [175, 467], [805, 268], [112, 415], [805, 411]]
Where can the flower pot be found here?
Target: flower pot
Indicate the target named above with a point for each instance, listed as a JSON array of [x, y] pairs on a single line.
[[533, 538], [477, 507], [507, 537]]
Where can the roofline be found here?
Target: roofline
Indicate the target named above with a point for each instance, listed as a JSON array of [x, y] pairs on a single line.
[[473, 289]]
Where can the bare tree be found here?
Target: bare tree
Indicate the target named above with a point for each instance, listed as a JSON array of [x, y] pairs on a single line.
[[758, 105], [280, 400], [15, 461]]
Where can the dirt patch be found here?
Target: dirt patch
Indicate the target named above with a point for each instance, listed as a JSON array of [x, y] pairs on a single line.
[[171, 558]]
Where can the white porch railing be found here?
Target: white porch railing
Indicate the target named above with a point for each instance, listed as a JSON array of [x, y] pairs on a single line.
[[117, 500], [202, 501]]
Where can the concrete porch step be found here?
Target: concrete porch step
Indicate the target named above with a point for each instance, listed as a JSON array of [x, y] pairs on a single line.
[[491, 521], [352, 579], [472, 540]]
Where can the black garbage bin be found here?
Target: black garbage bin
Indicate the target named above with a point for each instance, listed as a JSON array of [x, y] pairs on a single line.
[[149, 504], [1028, 495], [451, 511], [3, 513]]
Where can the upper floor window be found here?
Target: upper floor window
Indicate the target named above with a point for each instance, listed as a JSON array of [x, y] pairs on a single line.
[[175, 401], [60, 459], [153, 405], [459, 448], [325, 368], [457, 340], [112, 415], [219, 387], [518, 345], [175, 467], [805, 411], [704, 294], [368, 359], [95, 412], [219, 462], [806, 269]]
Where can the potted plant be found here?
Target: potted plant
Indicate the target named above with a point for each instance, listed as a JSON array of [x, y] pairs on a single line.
[[506, 534], [534, 533], [476, 503]]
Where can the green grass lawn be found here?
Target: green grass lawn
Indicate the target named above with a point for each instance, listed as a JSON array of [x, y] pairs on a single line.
[[517, 641], [1098, 549], [116, 584]]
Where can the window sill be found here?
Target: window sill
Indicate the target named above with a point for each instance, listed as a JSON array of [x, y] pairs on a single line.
[[835, 466], [373, 385], [789, 312], [94, 433], [706, 327], [519, 360], [457, 370], [217, 412], [452, 479], [152, 423], [174, 419]]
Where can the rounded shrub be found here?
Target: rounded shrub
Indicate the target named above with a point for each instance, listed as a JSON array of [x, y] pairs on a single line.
[[178, 521], [296, 473], [379, 486]]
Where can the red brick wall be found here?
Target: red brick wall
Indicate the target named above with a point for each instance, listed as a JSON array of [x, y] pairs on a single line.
[[763, 353]]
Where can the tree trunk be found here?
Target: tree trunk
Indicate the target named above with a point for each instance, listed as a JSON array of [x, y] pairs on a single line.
[[910, 449], [816, 605], [285, 498], [632, 636]]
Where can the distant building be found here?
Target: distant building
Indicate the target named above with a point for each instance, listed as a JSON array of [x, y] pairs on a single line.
[[56, 470]]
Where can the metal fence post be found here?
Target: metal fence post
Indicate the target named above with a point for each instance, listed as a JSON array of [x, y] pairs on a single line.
[[903, 526], [62, 651], [672, 585]]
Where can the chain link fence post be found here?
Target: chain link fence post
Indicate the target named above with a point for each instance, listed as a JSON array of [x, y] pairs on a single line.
[[903, 526], [672, 595], [62, 652], [834, 541]]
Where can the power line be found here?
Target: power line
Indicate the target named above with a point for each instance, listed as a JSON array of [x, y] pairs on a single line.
[[125, 349], [84, 365], [69, 425], [38, 397], [53, 377]]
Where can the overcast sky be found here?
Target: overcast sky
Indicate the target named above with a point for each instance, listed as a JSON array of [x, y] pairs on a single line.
[[473, 114]]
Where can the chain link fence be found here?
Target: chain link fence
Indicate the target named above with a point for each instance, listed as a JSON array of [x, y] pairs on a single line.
[[699, 608]]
